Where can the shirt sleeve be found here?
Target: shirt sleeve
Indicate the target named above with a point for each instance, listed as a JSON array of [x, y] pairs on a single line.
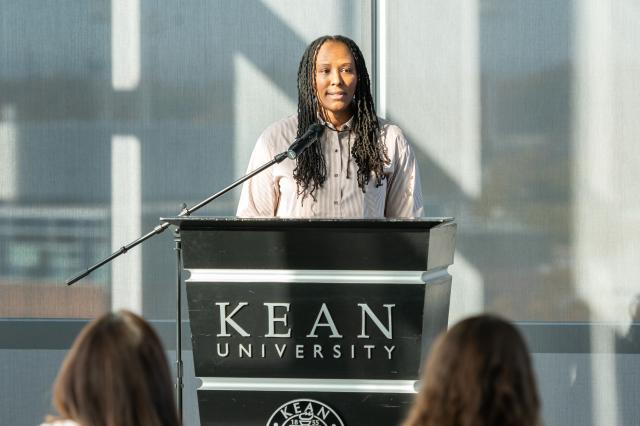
[[259, 196], [404, 192]]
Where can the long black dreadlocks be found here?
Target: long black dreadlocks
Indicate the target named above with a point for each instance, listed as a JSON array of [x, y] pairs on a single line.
[[368, 150]]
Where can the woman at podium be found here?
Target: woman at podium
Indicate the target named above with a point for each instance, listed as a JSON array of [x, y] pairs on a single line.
[[361, 166]]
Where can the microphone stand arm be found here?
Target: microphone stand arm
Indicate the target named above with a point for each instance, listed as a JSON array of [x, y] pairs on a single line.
[[185, 212]]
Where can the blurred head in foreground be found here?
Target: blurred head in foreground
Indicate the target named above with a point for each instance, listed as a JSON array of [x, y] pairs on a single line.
[[116, 374], [478, 373]]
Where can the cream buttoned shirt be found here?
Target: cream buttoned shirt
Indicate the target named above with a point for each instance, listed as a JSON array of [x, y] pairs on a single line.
[[273, 193]]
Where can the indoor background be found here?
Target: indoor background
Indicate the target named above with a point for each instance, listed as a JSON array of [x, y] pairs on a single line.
[[523, 115]]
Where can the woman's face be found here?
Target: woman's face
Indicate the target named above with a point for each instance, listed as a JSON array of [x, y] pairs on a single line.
[[336, 81]]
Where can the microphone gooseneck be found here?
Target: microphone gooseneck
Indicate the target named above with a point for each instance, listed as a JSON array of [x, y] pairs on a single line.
[[303, 142]]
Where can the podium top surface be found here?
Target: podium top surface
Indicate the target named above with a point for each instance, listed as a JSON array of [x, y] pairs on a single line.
[[337, 244], [199, 222]]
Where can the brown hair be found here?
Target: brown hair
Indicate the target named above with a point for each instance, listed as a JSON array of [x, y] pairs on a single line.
[[116, 374], [478, 373]]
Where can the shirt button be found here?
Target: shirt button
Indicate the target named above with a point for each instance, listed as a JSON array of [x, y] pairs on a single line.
[[336, 175], [335, 150], [335, 203]]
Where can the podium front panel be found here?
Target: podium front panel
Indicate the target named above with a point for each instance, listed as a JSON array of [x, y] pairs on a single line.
[[314, 330], [299, 322]]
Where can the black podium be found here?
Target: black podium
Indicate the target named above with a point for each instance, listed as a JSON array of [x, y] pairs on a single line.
[[313, 322]]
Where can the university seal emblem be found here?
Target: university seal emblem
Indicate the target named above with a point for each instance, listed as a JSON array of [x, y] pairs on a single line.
[[304, 412]]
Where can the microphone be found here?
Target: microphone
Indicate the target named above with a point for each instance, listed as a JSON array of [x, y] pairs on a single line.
[[300, 144]]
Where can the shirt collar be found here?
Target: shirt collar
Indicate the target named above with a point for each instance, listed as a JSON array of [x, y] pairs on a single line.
[[346, 126]]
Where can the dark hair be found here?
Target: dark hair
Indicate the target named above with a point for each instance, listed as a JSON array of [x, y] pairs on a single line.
[[368, 150], [479, 373], [116, 374]]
